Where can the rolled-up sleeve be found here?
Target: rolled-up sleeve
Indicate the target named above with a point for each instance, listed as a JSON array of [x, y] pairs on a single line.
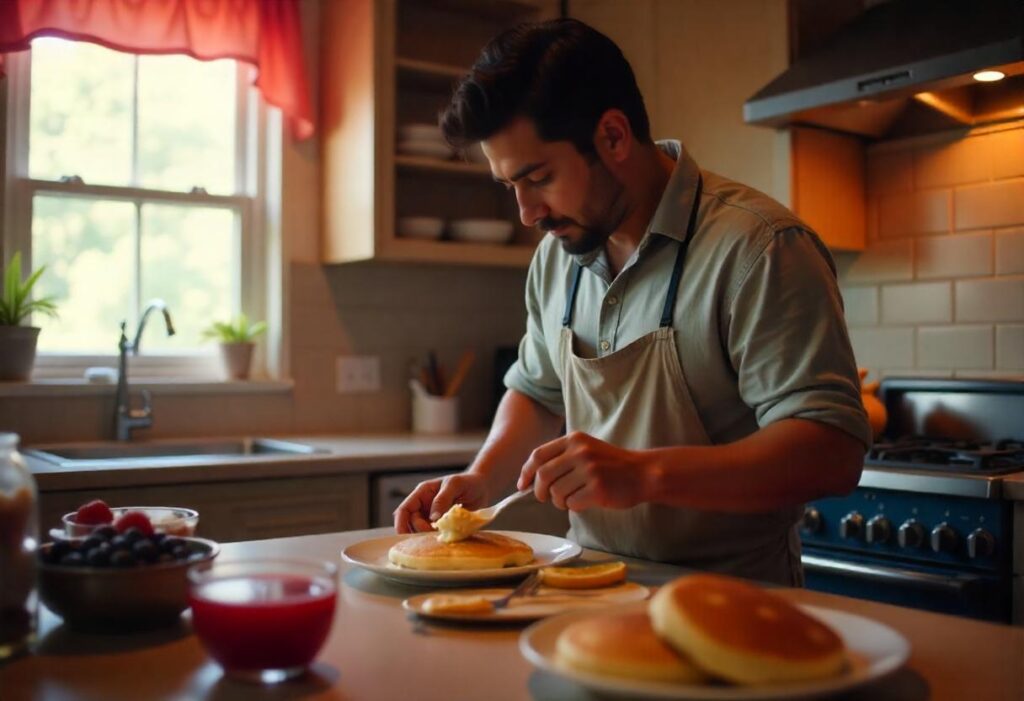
[[534, 373], [787, 337]]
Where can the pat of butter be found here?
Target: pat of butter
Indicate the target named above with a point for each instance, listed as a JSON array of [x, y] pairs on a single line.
[[454, 603], [458, 524]]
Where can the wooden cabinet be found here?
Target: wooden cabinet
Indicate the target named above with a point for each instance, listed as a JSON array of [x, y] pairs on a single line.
[[240, 510], [827, 185], [388, 63]]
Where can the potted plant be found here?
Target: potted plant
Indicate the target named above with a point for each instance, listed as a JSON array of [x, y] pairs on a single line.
[[236, 343], [17, 342]]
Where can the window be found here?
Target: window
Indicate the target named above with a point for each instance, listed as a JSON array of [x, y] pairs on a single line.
[[132, 178]]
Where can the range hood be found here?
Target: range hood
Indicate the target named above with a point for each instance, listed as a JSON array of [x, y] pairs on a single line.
[[904, 67]]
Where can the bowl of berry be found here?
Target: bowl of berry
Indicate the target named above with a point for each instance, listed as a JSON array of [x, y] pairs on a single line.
[[122, 576], [172, 520]]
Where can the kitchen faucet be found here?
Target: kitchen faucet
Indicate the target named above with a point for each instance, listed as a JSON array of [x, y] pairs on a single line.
[[126, 418]]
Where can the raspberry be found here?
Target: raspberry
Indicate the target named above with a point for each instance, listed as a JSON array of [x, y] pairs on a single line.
[[134, 519], [94, 513]]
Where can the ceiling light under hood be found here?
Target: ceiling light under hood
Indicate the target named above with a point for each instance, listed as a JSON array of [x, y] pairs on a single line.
[[869, 77], [989, 76]]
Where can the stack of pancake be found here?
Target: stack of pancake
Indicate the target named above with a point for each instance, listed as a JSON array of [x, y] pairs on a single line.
[[706, 627], [484, 550]]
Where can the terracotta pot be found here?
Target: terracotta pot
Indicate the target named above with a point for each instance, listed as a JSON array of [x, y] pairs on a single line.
[[237, 359], [17, 352]]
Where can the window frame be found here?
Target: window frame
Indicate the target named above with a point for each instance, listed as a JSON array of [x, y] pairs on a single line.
[[254, 128]]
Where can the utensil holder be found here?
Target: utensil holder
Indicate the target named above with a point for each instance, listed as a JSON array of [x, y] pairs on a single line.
[[433, 414]]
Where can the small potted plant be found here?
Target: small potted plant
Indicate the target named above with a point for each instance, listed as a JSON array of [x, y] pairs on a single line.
[[17, 342], [236, 343]]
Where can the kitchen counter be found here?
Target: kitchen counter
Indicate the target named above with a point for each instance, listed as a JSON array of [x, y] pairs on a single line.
[[346, 454], [374, 652]]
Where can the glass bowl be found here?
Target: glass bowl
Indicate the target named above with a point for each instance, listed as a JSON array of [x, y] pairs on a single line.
[[263, 620], [172, 520]]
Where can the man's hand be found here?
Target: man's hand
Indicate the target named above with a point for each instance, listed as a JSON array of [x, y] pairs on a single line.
[[578, 471], [431, 499]]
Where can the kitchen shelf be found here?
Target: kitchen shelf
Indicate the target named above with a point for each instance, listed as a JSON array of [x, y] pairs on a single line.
[[434, 165], [427, 74], [457, 252]]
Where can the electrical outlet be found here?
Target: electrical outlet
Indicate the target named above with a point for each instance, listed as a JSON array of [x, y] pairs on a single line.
[[357, 373]]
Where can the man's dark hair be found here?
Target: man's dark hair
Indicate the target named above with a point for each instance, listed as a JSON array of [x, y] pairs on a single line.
[[562, 74]]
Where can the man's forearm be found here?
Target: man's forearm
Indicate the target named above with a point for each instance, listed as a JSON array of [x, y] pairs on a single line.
[[786, 463], [519, 426]]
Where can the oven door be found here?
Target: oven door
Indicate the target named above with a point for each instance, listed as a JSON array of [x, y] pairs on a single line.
[[932, 588]]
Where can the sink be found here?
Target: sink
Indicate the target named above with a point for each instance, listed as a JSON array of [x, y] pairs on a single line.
[[161, 452]]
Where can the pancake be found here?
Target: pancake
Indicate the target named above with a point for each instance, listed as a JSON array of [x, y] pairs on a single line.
[[743, 633], [623, 645], [481, 551]]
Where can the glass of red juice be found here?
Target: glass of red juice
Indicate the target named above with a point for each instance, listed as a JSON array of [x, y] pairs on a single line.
[[263, 620]]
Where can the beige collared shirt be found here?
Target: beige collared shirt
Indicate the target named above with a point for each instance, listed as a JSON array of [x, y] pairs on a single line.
[[758, 318]]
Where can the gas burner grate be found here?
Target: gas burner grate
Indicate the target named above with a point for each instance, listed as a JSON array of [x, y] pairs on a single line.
[[947, 454]]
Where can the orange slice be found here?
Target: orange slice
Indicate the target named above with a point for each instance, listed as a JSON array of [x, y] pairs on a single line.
[[587, 577]]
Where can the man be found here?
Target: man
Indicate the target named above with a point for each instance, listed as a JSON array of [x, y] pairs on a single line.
[[686, 330]]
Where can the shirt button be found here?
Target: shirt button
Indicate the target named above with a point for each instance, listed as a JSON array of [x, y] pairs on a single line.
[[613, 301], [605, 345]]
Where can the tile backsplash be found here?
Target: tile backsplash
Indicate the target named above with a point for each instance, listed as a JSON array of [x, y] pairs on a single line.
[[939, 290]]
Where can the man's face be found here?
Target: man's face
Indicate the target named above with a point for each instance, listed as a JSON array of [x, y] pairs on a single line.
[[574, 197]]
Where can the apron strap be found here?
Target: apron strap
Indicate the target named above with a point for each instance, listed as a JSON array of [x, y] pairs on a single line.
[[677, 270], [571, 299]]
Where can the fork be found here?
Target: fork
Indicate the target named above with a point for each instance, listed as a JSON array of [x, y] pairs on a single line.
[[488, 514], [526, 587]]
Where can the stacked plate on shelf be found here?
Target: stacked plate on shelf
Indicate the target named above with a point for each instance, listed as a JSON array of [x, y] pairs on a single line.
[[423, 140]]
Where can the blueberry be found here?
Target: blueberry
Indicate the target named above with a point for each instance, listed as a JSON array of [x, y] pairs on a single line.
[[105, 532], [119, 542], [98, 556], [73, 558], [121, 558], [59, 549], [91, 542], [169, 544], [145, 551], [158, 538], [133, 535]]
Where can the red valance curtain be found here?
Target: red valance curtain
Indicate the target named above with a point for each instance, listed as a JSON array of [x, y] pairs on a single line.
[[264, 33]]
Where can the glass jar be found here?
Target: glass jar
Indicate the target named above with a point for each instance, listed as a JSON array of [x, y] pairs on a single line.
[[19, 539]]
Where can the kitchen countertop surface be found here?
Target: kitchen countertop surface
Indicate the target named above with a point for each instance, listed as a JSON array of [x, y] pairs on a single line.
[[406, 451], [374, 652]]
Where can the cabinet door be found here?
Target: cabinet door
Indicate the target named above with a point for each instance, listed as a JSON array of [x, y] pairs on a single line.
[[827, 186], [240, 510]]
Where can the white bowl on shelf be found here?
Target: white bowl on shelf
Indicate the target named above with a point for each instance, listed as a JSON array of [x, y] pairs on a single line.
[[430, 149], [426, 228], [420, 132], [482, 230]]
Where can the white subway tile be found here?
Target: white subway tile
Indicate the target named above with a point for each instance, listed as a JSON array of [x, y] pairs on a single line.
[[883, 347], [861, 305], [993, 204], [998, 299], [1010, 347], [1010, 251], [890, 172], [1008, 153], [889, 261], [953, 256], [917, 303], [922, 212], [955, 347], [953, 163]]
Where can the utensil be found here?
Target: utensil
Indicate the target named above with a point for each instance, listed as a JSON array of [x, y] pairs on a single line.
[[488, 514], [461, 370], [526, 588]]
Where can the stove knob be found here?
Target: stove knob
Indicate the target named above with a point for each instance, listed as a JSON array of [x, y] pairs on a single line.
[[811, 522], [944, 538], [910, 534], [851, 525], [980, 543], [878, 530]]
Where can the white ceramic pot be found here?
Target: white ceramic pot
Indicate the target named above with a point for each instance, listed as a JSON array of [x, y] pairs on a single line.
[[237, 359]]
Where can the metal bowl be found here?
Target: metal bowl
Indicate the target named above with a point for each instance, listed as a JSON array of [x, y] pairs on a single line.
[[121, 598]]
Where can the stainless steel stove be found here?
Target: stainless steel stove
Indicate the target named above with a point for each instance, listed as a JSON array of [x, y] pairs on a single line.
[[927, 526]]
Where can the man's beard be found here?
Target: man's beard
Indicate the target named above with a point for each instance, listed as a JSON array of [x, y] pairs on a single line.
[[604, 187]]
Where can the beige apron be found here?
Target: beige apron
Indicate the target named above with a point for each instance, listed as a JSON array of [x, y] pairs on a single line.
[[637, 398]]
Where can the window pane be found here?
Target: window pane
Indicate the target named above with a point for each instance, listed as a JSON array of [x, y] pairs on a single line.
[[189, 260], [88, 249], [81, 107], [187, 124]]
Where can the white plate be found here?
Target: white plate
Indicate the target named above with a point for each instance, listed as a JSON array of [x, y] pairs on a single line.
[[548, 601], [482, 230], [877, 650], [373, 555]]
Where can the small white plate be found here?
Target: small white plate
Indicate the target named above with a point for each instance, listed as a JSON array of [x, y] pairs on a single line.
[[548, 601], [875, 651], [373, 555]]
